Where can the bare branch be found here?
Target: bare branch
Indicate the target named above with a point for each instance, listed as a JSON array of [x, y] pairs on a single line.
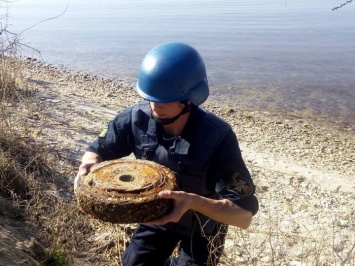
[[10, 41], [343, 4], [61, 14]]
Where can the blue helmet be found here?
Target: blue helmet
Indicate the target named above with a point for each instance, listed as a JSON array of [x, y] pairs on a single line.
[[173, 72]]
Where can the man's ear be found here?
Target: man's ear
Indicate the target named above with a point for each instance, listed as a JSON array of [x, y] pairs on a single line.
[[186, 102]]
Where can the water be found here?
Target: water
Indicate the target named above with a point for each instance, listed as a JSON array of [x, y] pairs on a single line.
[[287, 56]]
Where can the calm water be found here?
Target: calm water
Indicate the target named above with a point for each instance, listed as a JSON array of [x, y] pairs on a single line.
[[294, 56]]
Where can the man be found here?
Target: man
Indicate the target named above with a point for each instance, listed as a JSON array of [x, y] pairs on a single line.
[[169, 127]]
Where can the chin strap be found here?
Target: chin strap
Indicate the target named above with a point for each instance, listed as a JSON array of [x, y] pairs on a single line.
[[168, 121]]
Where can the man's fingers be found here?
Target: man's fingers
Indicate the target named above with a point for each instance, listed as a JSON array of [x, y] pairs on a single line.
[[84, 169], [165, 194]]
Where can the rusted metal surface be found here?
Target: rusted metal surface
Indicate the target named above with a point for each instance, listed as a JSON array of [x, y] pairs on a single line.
[[125, 191]]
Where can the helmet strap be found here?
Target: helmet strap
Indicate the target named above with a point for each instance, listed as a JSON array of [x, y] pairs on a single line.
[[168, 121]]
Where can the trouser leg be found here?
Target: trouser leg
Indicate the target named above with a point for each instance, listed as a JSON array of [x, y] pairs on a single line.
[[150, 246], [200, 250]]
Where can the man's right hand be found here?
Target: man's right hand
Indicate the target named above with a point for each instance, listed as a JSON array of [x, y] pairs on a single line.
[[88, 160]]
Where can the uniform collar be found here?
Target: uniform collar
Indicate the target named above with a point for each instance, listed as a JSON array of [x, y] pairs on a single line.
[[181, 143]]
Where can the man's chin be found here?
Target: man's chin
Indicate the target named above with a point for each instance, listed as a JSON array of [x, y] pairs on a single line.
[[160, 116]]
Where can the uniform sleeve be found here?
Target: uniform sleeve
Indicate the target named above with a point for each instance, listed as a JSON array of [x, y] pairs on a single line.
[[231, 177], [115, 142]]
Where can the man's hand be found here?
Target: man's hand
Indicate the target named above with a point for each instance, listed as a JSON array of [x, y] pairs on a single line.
[[89, 159], [221, 210], [84, 169], [181, 206]]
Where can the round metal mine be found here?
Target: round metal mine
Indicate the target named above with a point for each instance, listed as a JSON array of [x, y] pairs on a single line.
[[125, 191]]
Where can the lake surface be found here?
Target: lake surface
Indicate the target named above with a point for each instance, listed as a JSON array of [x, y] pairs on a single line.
[[286, 56]]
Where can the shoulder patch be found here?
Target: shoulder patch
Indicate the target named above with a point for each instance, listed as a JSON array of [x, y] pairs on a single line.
[[103, 133], [240, 185]]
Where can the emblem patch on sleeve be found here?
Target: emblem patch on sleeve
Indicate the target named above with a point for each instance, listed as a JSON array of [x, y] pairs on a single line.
[[240, 185], [103, 133]]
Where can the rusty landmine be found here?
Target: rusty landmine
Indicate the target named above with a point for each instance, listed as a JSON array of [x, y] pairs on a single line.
[[125, 191]]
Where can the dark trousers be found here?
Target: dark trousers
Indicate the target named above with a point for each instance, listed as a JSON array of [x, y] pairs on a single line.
[[153, 245]]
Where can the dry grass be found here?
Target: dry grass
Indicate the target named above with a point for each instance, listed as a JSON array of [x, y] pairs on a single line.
[[36, 178], [30, 176]]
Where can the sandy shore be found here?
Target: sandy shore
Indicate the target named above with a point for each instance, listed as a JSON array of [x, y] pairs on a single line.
[[304, 169], [80, 105]]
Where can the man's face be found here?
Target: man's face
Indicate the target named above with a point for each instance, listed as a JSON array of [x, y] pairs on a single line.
[[166, 110]]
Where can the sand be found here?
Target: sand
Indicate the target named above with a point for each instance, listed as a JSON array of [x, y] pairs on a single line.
[[303, 168]]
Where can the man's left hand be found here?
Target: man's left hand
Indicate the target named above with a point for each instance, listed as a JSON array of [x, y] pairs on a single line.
[[181, 206]]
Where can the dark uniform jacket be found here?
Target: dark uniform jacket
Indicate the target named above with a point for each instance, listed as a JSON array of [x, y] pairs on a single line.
[[205, 158]]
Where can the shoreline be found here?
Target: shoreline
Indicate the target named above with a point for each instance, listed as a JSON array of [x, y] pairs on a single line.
[[344, 124], [340, 122], [273, 140]]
